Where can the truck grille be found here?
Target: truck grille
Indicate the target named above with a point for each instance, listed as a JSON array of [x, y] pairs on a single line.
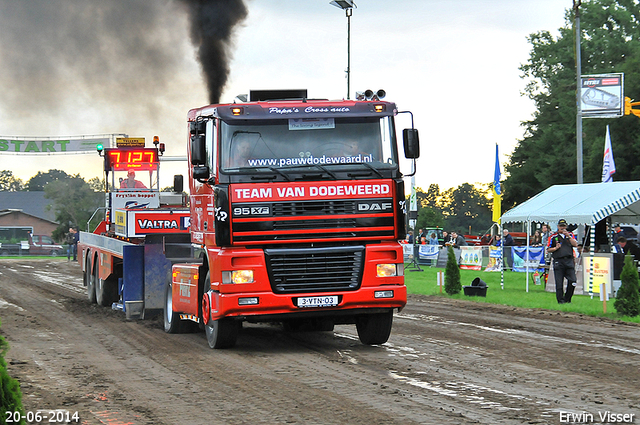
[[304, 220], [315, 269], [314, 208]]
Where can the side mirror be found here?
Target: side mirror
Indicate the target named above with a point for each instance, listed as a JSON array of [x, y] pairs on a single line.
[[178, 184], [411, 143], [198, 151], [201, 173]]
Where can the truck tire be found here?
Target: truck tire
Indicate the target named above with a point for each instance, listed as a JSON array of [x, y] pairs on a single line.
[[86, 274], [91, 284], [374, 329], [106, 291], [171, 318], [221, 333]]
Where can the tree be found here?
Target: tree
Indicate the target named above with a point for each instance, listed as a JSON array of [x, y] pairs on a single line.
[[466, 207], [627, 300], [429, 217], [40, 180], [74, 202], [10, 183], [546, 155], [452, 283]]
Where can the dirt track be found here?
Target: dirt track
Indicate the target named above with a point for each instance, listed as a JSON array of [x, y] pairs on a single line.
[[447, 362]]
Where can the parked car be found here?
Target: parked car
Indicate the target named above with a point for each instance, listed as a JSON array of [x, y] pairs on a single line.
[[630, 232], [35, 245]]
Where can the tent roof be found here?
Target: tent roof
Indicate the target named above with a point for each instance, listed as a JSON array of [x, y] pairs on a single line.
[[581, 204]]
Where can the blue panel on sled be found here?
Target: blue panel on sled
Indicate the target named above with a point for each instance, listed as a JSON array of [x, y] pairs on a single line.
[[132, 274]]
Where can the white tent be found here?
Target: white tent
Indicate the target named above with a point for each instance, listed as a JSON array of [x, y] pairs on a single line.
[[580, 204]]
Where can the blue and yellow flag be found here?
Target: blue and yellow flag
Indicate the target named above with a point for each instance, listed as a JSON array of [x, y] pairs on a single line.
[[497, 192]]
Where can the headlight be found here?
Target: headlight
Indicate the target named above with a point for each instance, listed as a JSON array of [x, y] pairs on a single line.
[[237, 276], [388, 270]]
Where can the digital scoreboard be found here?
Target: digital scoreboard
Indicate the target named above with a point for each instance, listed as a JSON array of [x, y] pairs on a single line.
[[137, 159]]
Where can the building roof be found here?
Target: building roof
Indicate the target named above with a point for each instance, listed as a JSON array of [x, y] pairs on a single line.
[[33, 203], [581, 204]]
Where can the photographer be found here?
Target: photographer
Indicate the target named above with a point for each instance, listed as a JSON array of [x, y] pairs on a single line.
[[561, 246]]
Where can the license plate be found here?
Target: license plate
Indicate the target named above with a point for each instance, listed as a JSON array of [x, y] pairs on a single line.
[[327, 301]]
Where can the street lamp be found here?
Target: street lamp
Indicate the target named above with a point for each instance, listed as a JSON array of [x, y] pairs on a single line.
[[347, 6]]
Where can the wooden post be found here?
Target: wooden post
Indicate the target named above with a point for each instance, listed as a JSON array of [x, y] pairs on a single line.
[[440, 280], [604, 297]]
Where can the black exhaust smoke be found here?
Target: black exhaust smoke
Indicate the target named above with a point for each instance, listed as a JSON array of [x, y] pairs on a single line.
[[212, 23]]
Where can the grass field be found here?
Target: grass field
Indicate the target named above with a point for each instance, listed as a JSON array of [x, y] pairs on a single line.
[[513, 294]]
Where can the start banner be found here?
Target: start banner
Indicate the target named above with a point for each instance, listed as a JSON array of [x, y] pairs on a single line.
[[48, 146]]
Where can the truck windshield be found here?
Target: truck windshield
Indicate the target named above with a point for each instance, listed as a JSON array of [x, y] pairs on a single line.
[[297, 142]]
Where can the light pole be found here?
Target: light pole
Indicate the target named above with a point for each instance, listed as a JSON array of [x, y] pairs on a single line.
[[347, 6]]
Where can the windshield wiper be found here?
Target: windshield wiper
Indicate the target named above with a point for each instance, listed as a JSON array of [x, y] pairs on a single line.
[[275, 170], [369, 167]]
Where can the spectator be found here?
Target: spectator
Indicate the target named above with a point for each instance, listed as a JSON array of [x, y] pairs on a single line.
[[497, 241], [507, 242], [70, 240], [410, 236], [446, 238], [76, 239], [507, 239], [486, 239], [546, 232], [617, 233], [433, 240], [561, 246], [618, 247], [536, 240], [458, 240]]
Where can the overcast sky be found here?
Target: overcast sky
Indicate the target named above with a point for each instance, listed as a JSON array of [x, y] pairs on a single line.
[[127, 66]]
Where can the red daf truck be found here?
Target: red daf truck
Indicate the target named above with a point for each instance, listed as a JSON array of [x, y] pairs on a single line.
[[296, 209]]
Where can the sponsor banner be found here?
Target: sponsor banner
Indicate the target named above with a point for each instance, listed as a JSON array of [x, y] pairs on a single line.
[[310, 190], [134, 223], [471, 257], [536, 258], [428, 252], [602, 96], [602, 273], [495, 259], [127, 200], [407, 251], [51, 146]]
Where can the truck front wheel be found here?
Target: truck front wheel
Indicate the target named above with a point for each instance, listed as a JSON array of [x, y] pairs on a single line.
[[221, 333], [374, 328], [171, 318]]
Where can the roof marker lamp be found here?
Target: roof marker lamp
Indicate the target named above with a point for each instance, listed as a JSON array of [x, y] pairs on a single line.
[[237, 276], [237, 111]]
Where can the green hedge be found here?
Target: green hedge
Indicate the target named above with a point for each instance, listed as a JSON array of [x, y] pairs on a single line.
[[10, 394]]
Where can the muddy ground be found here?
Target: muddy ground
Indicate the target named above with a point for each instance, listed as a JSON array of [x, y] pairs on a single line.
[[447, 362]]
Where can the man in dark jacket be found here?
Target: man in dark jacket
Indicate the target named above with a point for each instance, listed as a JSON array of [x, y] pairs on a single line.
[[561, 246]]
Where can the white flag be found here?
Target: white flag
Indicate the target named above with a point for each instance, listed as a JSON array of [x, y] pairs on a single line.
[[608, 166]]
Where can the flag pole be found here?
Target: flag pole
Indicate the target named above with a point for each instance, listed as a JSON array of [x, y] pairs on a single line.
[[497, 212]]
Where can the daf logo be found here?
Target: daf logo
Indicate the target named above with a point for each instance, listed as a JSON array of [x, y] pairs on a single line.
[[375, 206]]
